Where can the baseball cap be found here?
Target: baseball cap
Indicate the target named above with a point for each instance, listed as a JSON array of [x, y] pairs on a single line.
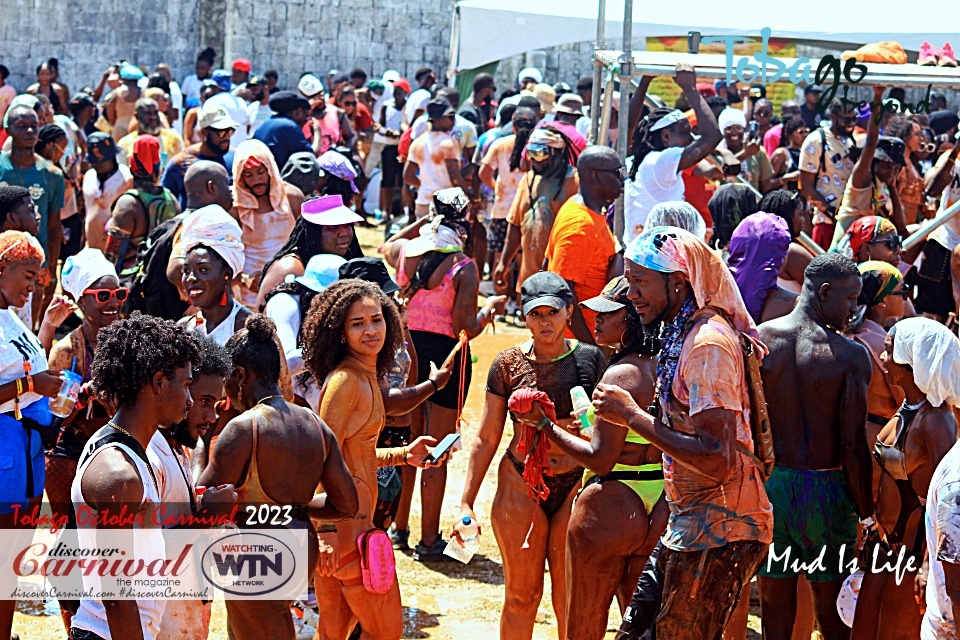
[[100, 147], [890, 149], [302, 171], [402, 84], [391, 75], [544, 289], [287, 101], [321, 271], [254, 81], [215, 117], [811, 88], [569, 103], [242, 64], [530, 72], [340, 78], [612, 298], [438, 108], [310, 85], [369, 269], [328, 211], [221, 78]]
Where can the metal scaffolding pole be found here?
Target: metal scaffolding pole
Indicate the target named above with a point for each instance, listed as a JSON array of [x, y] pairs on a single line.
[[626, 71], [598, 44]]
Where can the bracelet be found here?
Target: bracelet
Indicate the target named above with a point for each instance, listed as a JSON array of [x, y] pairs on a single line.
[[29, 383], [19, 387], [326, 528], [434, 383], [869, 522], [543, 423]]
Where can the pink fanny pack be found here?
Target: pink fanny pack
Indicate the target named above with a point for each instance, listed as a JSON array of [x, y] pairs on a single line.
[[376, 561]]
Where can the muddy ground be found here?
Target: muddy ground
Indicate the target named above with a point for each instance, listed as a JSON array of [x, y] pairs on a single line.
[[443, 601]]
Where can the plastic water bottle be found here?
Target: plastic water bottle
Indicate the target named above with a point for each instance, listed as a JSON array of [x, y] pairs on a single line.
[[582, 410], [470, 534], [400, 371]]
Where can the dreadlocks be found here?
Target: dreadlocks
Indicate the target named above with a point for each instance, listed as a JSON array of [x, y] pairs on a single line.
[[645, 140], [524, 120]]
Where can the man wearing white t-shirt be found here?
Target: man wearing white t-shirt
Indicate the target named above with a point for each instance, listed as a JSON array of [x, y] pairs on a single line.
[[417, 102], [663, 147], [434, 159], [943, 550]]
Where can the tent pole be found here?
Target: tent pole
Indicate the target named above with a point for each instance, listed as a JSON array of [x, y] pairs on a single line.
[[598, 44], [623, 119], [454, 48], [605, 112]]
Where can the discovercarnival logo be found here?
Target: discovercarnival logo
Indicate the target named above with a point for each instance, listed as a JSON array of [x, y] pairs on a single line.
[[828, 72], [249, 564]]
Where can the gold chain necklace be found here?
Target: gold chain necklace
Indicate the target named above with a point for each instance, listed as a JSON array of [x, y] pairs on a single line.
[[113, 424], [262, 400]]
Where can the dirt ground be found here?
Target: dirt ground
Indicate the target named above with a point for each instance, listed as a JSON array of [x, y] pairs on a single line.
[[442, 601]]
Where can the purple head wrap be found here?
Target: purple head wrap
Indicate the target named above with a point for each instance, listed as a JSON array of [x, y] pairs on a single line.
[[758, 249]]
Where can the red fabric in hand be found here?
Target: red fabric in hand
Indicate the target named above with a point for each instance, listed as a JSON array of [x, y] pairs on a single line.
[[533, 445]]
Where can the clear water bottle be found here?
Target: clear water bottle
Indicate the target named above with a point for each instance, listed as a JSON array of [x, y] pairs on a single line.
[[400, 371], [582, 410], [469, 532]]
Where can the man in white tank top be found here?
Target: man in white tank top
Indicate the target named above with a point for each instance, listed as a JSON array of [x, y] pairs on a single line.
[[144, 368], [168, 452]]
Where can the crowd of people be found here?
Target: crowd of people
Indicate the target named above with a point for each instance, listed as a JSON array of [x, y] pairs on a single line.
[[760, 406]]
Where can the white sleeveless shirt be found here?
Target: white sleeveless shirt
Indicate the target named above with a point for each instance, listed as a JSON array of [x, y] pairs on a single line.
[[91, 615]]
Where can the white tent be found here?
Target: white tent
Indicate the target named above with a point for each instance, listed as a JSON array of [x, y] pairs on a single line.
[[489, 30]]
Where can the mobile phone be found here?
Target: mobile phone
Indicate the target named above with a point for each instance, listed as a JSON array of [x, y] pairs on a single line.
[[731, 169], [445, 445], [754, 128]]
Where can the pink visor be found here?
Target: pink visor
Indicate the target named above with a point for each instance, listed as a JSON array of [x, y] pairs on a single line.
[[328, 211]]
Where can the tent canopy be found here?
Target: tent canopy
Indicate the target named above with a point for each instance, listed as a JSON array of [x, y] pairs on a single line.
[[489, 30]]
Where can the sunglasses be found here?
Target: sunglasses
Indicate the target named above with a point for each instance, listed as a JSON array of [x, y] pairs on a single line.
[[893, 244], [903, 293], [619, 171], [538, 152], [764, 114], [929, 147], [103, 295], [349, 104]]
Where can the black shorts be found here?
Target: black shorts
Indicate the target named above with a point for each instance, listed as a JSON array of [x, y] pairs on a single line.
[[935, 281], [72, 234], [391, 171], [436, 347], [498, 235]]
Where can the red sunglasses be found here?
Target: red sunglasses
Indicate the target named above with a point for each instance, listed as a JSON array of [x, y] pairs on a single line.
[[103, 295]]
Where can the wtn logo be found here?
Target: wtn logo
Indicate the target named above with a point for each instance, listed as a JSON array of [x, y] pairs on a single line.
[[258, 564]]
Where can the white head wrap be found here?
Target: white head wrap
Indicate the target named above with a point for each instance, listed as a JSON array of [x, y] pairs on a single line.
[[530, 72], [213, 227], [730, 117], [83, 269], [934, 355]]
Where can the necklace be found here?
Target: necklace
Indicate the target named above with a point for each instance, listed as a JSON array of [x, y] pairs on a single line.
[[113, 424], [913, 407], [262, 400]]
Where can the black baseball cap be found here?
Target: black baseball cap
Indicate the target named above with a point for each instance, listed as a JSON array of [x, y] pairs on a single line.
[[612, 298], [302, 171], [812, 88], [544, 289], [100, 148], [288, 101], [369, 269], [438, 108], [890, 149]]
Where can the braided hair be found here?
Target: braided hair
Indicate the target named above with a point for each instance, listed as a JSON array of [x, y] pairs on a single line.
[[524, 120], [645, 140], [49, 133]]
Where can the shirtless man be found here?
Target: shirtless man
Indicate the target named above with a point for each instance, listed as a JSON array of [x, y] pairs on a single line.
[[254, 452], [816, 388], [144, 368]]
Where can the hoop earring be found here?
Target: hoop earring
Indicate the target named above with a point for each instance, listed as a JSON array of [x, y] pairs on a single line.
[[622, 341]]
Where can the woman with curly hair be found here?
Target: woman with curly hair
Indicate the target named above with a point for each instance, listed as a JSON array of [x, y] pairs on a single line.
[[350, 339], [253, 454]]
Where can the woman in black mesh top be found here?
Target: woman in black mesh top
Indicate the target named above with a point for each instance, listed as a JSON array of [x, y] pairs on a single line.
[[530, 531]]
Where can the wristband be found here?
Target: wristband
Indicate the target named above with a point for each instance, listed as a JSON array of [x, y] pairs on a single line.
[[29, 383], [543, 423], [868, 522], [434, 383], [326, 528]]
